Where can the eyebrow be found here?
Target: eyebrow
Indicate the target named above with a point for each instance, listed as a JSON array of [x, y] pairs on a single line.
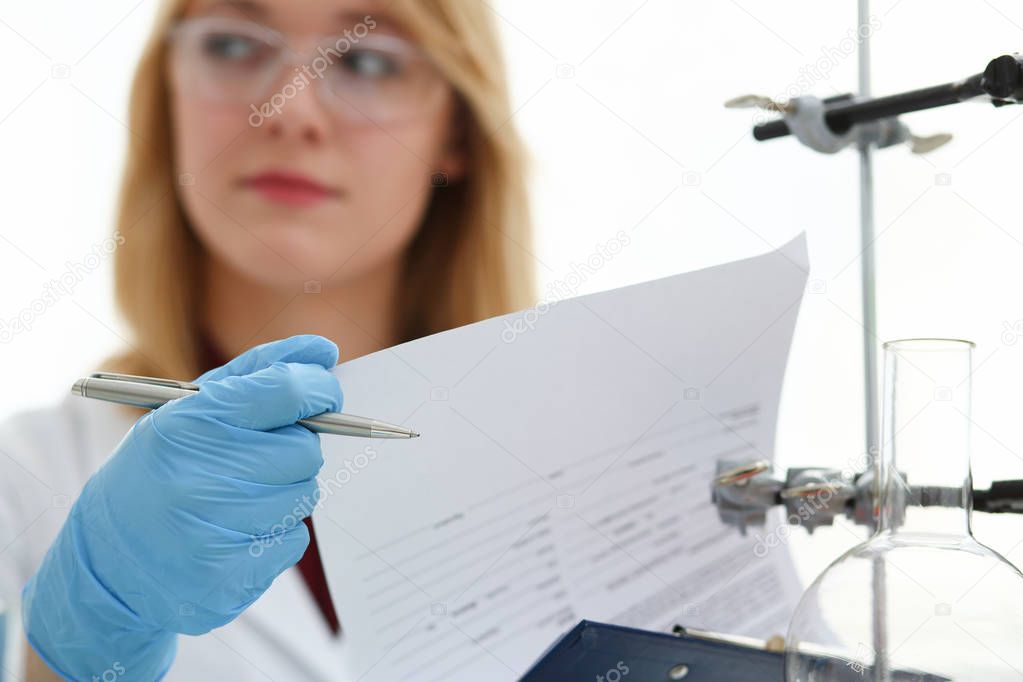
[[248, 7], [344, 18]]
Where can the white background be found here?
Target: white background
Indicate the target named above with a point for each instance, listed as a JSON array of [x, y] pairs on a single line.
[[621, 104]]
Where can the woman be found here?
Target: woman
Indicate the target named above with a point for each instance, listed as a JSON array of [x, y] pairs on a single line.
[[323, 172]]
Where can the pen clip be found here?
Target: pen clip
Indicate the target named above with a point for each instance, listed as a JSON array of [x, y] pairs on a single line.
[[155, 381]]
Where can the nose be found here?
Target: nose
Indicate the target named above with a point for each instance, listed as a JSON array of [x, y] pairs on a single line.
[[302, 117]]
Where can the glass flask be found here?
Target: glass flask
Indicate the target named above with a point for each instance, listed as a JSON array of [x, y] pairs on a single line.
[[921, 599]]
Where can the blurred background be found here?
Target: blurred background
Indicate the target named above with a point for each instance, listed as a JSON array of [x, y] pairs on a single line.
[[621, 104]]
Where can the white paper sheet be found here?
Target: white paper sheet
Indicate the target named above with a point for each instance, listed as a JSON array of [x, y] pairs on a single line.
[[563, 473]]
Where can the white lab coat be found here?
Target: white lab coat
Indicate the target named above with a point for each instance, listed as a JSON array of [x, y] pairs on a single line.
[[46, 456]]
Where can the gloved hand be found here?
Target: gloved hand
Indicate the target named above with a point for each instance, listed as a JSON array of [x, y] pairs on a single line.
[[190, 520]]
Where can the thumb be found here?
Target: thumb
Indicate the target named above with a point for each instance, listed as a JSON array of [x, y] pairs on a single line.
[[305, 348]]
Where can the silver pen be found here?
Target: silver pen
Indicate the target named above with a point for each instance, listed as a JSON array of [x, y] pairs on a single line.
[[151, 392]]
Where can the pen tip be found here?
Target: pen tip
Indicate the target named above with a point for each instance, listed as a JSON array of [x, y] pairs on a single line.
[[413, 434]]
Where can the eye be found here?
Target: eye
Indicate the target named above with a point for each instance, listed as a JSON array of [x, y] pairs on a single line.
[[371, 64], [234, 48]]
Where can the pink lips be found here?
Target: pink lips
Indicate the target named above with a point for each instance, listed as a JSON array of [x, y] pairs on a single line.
[[288, 188]]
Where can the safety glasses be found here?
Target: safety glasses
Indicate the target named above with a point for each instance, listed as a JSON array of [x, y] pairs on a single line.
[[361, 77]]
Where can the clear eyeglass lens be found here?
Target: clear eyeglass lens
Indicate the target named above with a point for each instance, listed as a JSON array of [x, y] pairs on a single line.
[[234, 51], [380, 83], [380, 78], [225, 60]]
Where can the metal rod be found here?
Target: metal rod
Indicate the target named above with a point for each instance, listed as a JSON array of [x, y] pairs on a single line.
[[868, 276], [842, 116], [868, 272]]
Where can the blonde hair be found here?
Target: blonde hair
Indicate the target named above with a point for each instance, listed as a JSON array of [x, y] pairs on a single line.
[[468, 261]]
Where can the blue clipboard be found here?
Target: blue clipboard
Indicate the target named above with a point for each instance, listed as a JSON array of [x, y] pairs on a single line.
[[611, 653], [594, 651]]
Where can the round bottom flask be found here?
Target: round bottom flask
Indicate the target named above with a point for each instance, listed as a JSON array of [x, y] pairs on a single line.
[[921, 600]]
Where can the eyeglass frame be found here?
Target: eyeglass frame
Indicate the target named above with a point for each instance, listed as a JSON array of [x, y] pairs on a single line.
[[279, 40]]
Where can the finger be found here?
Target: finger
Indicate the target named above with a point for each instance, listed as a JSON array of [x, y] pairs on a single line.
[[269, 398], [286, 553], [308, 348], [283, 456], [258, 566], [250, 569], [256, 509]]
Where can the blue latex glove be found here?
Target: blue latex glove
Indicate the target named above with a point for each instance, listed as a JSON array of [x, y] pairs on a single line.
[[190, 520]]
